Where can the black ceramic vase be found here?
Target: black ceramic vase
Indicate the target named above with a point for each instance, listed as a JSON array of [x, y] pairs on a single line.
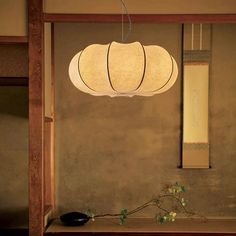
[[74, 219]]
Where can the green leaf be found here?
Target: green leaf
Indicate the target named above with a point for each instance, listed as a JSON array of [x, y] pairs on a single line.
[[161, 220], [123, 216], [121, 220], [183, 189], [124, 211]]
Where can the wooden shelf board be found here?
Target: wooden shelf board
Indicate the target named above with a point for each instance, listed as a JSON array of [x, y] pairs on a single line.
[[146, 225], [14, 81], [13, 39]]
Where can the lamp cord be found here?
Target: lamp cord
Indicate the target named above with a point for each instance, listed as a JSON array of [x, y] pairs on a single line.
[[130, 22]]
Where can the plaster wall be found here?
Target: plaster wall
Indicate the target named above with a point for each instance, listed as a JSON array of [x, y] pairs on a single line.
[[13, 15], [141, 6], [116, 153]]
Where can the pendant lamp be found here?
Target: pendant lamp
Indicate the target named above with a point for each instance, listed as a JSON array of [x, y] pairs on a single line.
[[123, 69]]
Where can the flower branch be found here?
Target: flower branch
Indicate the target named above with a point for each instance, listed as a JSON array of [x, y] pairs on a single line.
[[174, 192]]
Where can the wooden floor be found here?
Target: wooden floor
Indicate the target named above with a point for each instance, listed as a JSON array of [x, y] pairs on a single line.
[[146, 227]]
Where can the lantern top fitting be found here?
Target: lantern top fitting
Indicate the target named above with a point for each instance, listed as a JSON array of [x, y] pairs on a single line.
[[123, 69]]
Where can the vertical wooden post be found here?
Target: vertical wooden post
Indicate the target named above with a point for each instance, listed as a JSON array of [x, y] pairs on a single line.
[[49, 201], [53, 117], [36, 119]]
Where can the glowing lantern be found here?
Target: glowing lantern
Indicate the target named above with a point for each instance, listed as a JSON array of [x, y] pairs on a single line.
[[119, 69]]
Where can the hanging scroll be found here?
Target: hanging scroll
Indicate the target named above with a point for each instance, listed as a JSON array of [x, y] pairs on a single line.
[[195, 152]]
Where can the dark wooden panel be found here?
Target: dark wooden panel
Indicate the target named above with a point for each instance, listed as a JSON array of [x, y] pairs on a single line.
[[14, 232], [139, 234], [14, 60], [13, 39], [14, 81], [143, 18], [36, 119]]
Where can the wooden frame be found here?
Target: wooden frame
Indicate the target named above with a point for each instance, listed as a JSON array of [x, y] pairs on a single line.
[[137, 234], [13, 39], [41, 128], [37, 127], [36, 119], [49, 134], [14, 81], [142, 18]]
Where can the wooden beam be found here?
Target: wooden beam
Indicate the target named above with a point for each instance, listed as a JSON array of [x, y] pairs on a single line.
[[14, 81], [36, 119], [138, 234], [53, 117], [47, 163], [13, 39], [142, 18], [49, 135]]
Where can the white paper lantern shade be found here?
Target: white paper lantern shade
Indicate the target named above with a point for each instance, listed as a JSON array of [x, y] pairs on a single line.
[[126, 65], [119, 69]]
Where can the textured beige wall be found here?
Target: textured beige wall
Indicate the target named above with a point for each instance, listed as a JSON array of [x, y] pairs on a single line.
[[14, 156], [141, 6], [13, 18], [115, 153]]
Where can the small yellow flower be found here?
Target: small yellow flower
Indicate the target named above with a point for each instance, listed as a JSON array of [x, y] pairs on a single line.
[[173, 214]]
